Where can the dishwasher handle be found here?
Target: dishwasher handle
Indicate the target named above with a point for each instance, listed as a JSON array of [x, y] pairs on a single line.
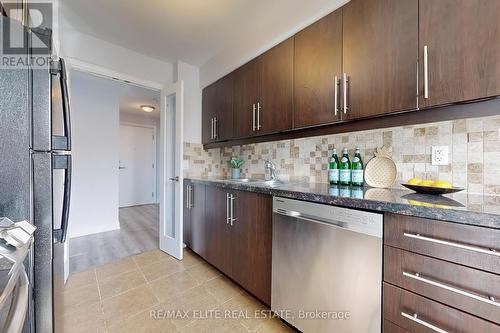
[[310, 218]]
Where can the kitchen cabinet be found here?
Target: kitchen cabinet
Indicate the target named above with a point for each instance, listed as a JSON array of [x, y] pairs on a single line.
[[275, 106], [217, 115], [234, 234], [440, 274], [251, 235], [218, 232], [380, 46], [459, 53], [194, 218], [246, 97], [318, 69]]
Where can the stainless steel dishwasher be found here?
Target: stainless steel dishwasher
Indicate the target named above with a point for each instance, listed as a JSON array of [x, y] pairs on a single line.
[[326, 267]]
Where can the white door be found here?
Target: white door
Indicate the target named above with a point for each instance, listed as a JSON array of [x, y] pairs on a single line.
[[172, 110], [137, 165]]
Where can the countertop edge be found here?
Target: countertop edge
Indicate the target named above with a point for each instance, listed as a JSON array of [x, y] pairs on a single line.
[[479, 219]]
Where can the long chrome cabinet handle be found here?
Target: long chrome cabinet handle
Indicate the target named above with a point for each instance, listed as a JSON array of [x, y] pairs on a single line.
[[336, 94], [187, 196], [227, 208], [232, 198], [483, 299], [254, 127], [415, 319], [452, 244], [216, 128], [212, 129], [426, 72], [191, 199], [345, 83], [259, 126]]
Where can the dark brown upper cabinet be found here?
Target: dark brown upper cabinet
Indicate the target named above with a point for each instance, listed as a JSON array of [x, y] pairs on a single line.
[[245, 98], [217, 115], [459, 50], [380, 49], [275, 106], [318, 69]]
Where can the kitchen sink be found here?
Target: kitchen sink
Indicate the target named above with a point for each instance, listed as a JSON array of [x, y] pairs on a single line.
[[257, 181]]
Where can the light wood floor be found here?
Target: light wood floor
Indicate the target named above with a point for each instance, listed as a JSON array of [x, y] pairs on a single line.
[[138, 233], [155, 293]]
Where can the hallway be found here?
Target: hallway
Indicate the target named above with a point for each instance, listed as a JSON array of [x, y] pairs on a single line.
[[138, 233]]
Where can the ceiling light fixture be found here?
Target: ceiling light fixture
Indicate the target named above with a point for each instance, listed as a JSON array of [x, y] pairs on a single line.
[[147, 108]]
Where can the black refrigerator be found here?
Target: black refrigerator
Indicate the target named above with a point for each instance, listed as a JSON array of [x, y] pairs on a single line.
[[35, 170]]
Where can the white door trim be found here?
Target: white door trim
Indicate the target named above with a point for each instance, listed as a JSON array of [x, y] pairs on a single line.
[[155, 142]]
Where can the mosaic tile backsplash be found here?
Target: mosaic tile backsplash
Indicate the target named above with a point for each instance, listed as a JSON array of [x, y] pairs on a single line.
[[474, 154]]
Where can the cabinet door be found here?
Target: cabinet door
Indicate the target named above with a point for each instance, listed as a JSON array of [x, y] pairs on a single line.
[[380, 56], [246, 85], [318, 61], [252, 244], [186, 228], [198, 220], [218, 231], [276, 88], [224, 109], [462, 39], [209, 97]]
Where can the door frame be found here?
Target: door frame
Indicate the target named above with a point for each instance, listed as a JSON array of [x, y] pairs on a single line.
[[155, 161]]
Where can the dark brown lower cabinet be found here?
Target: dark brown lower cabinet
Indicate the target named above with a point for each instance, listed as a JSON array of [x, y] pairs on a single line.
[[234, 234], [194, 217], [417, 314], [252, 244]]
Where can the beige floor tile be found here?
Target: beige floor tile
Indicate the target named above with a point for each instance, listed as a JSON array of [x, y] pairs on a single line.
[[196, 301], [150, 257], [274, 326], [245, 308], [75, 298], [162, 268], [132, 302], [203, 272], [118, 284], [81, 279], [222, 288], [119, 267], [152, 320], [191, 259], [168, 288], [214, 326], [88, 318]]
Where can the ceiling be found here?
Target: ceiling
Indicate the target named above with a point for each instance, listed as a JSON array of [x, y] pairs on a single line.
[[194, 31], [132, 97]]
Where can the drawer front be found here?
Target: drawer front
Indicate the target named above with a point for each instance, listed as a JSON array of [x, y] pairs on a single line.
[[471, 290], [417, 314], [467, 245], [392, 328]]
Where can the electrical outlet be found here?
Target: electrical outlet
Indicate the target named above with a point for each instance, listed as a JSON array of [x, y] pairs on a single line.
[[440, 155]]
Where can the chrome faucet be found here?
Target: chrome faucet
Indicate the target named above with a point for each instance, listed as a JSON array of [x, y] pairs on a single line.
[[272, 168]]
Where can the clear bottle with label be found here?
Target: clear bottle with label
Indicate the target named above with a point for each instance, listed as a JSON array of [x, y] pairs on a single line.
[[345, 168], [333, 169], [358, 173]]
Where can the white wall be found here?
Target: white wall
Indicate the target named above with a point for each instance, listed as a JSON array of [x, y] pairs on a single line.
[[192, 100], [94, 51], [126, 118], [95, 118]]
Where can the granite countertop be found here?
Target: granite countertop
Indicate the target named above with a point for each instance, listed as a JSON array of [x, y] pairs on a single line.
[[460, 207]]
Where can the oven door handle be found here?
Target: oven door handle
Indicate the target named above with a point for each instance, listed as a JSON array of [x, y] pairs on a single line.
[[64, 162], [63, 142]]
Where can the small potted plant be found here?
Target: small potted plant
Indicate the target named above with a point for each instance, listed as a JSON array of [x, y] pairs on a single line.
[[236, 164]]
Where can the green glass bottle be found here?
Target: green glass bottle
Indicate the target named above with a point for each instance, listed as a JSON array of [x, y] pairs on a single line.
[[333, 169], [357, 168], [345, 169]]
